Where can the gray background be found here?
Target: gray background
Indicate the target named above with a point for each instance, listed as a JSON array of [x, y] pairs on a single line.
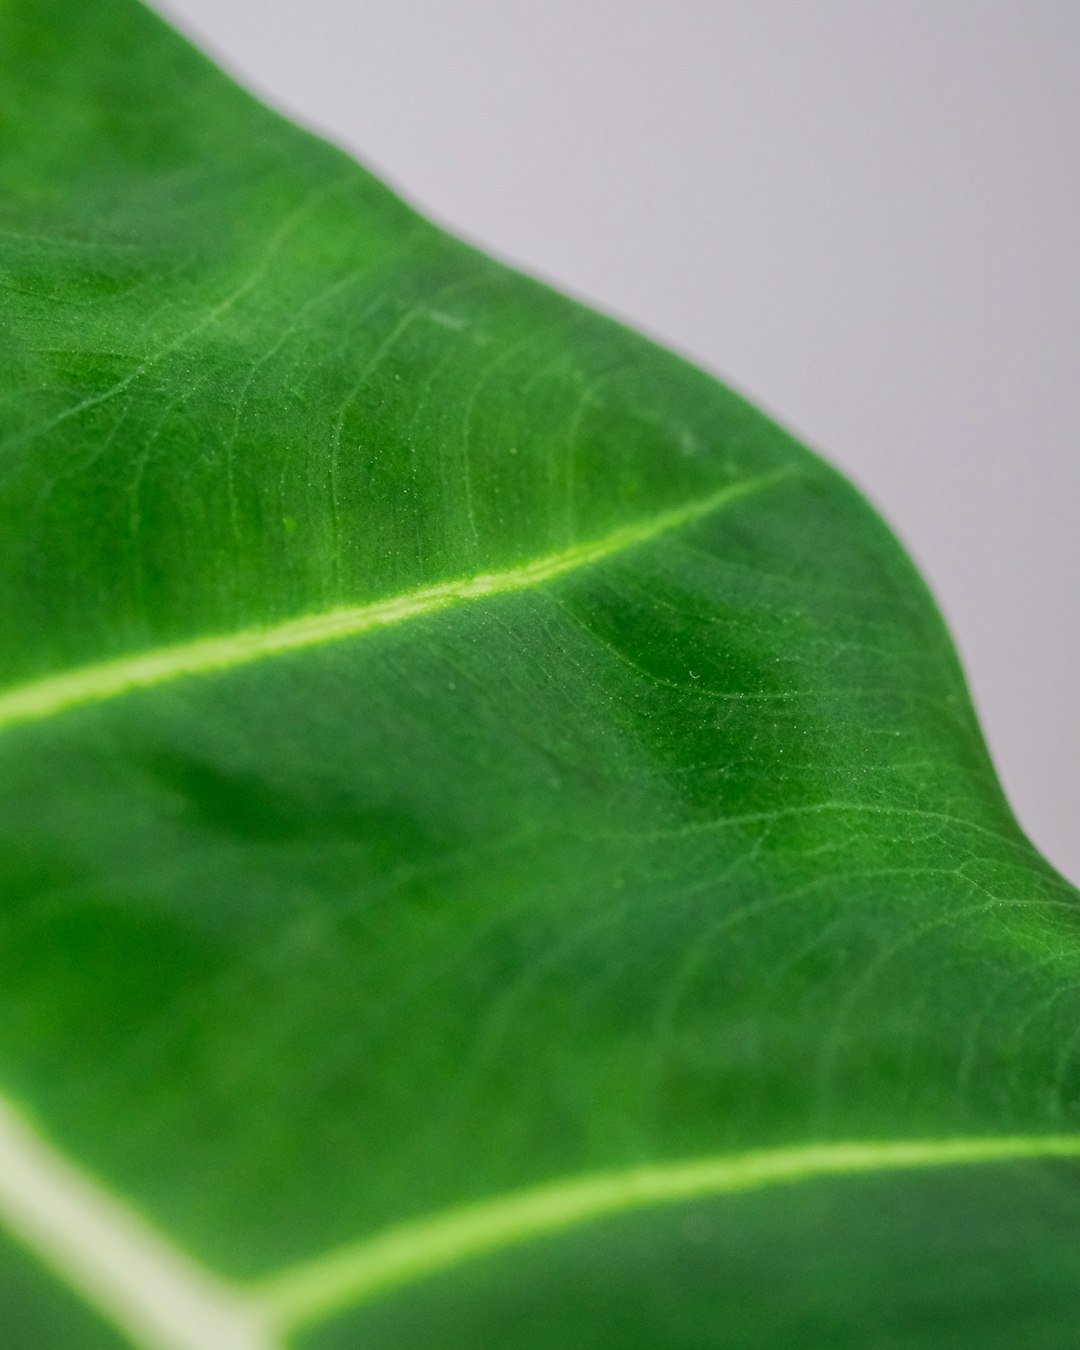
[[866, 216]]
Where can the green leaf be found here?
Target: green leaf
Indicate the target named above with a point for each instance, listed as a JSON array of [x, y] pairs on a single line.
[[496, 849]]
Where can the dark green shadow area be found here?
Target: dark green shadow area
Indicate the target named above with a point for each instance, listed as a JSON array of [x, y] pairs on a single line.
[[38, 1312]]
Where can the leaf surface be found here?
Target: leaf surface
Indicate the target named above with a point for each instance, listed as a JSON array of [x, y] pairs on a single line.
[[496, 848]]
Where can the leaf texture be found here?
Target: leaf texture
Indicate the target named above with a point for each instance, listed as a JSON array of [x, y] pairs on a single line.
[[495, 845]]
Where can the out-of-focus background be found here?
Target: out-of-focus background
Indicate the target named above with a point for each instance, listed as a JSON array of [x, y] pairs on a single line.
[[865, 217]]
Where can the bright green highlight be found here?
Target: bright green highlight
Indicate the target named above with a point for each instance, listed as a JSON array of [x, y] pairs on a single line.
[[94, 684], [412, 1251]]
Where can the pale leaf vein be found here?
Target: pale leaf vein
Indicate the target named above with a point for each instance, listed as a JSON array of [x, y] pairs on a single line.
[[53, 694]]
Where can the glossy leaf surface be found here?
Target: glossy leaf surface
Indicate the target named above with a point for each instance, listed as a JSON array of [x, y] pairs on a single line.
[[495, 846]]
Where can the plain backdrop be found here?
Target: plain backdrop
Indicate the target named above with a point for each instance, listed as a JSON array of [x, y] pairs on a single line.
[[864, 216]]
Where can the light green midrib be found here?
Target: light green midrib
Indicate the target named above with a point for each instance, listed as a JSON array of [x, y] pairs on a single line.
[[355, 1275], [54, 694]]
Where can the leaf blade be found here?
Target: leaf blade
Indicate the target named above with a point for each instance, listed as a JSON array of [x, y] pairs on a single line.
[[693, 849]]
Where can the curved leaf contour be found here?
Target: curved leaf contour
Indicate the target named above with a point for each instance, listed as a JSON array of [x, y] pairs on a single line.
[[496, 849]]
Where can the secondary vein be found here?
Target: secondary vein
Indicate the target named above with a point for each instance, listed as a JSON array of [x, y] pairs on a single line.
[[161, 1298], [402, 1255], [54, 694]]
